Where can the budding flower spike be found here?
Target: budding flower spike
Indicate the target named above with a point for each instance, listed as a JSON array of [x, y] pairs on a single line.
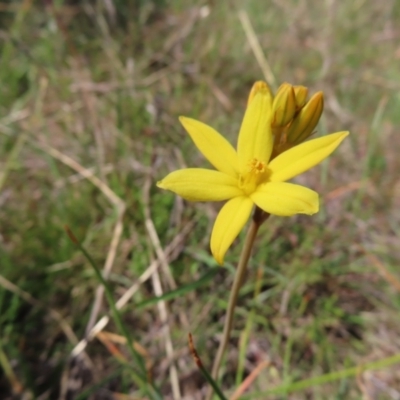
[[255, 174]]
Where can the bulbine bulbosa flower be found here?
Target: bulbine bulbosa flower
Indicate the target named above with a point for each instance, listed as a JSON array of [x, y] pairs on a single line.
[[252, 174]]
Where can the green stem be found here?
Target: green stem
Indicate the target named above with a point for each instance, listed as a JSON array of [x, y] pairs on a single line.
[[213, 384], [258, 218]]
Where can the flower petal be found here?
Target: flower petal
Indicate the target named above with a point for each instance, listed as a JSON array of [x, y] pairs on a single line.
[[230, 221], [215, 148], [286, 199], [198, 184], [303, 157], [255, 137]]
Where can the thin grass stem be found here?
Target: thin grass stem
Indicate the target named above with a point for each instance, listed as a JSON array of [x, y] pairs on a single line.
[[200, 365]]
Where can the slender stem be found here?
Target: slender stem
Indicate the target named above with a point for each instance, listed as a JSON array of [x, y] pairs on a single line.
[[258, 217]]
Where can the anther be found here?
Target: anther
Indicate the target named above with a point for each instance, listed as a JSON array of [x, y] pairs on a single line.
[[256, 166]]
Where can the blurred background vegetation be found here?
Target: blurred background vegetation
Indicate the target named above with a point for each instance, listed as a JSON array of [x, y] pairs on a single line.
[[91, 92]]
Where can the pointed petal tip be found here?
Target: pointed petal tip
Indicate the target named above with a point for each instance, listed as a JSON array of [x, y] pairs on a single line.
[[217, 253], [186, 121], [259, 85], [340, 136], [315, 210], [314, 205], [219, 258]]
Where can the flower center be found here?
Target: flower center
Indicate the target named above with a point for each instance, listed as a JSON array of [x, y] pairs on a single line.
[[256, 172]]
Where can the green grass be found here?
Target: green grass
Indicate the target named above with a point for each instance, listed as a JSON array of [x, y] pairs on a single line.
[[105, 87]]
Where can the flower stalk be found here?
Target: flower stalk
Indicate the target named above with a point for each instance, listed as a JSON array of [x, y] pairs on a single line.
[[259, 217]]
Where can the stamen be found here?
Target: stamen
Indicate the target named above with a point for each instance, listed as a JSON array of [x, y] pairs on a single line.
[[256, 166], [255, 173]]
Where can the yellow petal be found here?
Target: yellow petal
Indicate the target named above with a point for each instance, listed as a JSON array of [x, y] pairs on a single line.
[[197, 184], [230, 221], [255, 136], [286, 199], [303, 157], [215, 148]]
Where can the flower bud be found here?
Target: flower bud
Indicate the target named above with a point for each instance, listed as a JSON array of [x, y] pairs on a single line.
[[259, 85], [284, 106], [301, 93], [306, 120]]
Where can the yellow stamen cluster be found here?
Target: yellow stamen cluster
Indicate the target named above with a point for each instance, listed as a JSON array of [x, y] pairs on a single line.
[[255, 173], [256, 166]]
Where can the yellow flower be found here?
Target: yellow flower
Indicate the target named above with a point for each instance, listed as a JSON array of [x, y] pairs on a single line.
[[247, 176]]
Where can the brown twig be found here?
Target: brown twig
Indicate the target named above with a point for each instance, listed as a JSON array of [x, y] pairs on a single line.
[[193, 351], [249, 380], [205, 373]]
